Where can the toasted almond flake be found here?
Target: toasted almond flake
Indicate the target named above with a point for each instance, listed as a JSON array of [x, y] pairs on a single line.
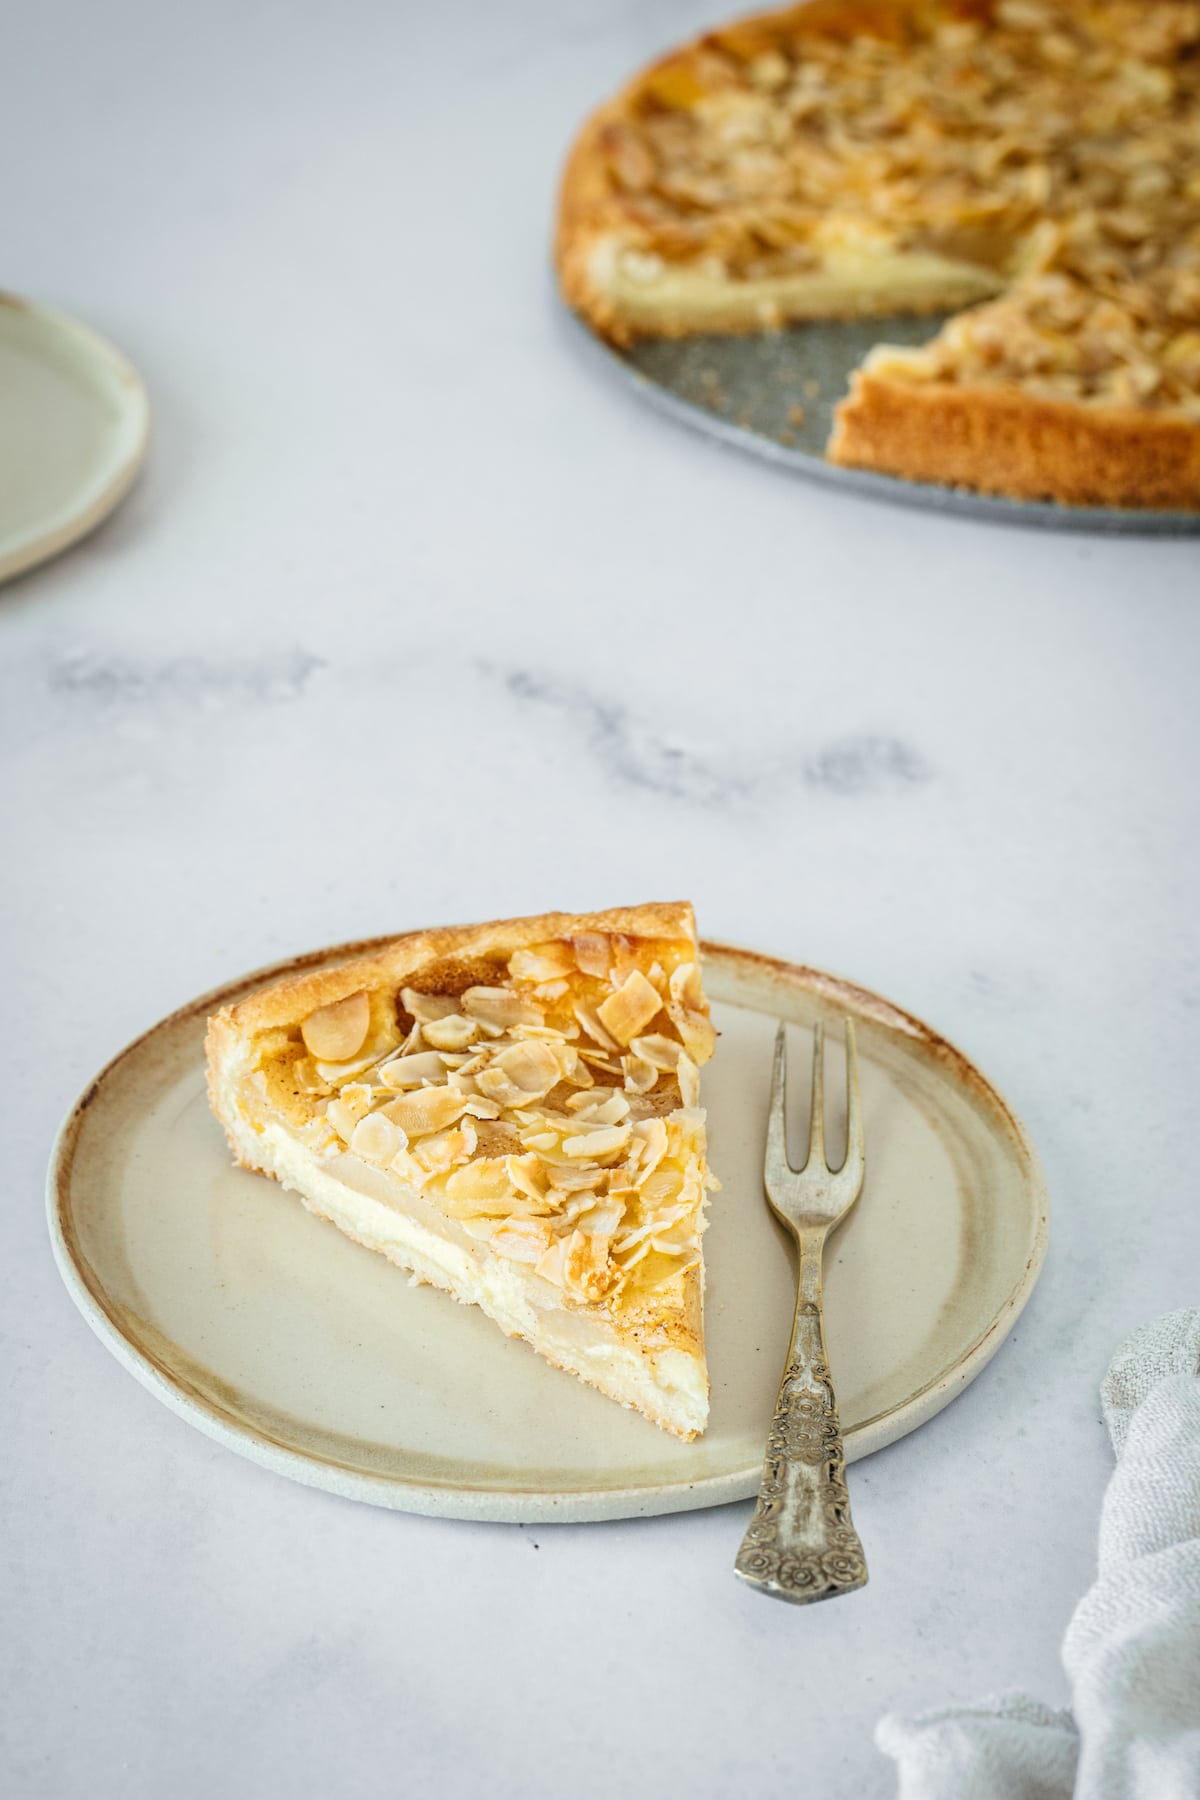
[[480, 1108], [528, 1176], [661, 1187], [454, 1032], [551, 990], [592, 953], [686, 988], [663, 1052], [575, 1069], [550, 1264], [627, 1012], [600, 1220], [532, 1067], [500, 1007], [343, 1118], [591, 1026], [424, 1110], [544, 962], [425, 1008], [652, 1134], [376, 1138], [696, 1030], [596, 1144], [307, 1076], [640, 1075], [336, 1032], [575, 1178], [604, 1112], [521, 1240], [540, 1140], [336, 1073], [410, 1071], [495, 1085], [446, 1149], [688, 1076]]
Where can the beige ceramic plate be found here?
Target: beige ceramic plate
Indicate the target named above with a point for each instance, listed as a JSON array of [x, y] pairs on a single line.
[[73, 425], [270, 1331]]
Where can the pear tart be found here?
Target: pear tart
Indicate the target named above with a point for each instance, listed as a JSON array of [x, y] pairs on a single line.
[[1037, 161], [509, 1111]]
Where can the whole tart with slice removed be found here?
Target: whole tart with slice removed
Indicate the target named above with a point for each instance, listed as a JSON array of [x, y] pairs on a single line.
[[509, 1111], [1034, 162]]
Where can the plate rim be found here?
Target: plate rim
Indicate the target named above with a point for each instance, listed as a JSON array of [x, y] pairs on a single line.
[[31, 551], [535, 1504]]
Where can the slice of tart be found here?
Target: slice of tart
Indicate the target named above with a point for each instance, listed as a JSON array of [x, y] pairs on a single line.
[[510, 1111], [1037, 161]]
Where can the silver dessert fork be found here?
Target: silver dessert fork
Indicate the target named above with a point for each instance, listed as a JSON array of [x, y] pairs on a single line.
[[801, 1543]]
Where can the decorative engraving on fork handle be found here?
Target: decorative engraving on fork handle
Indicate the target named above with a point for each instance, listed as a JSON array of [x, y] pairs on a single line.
[[801, 1543]]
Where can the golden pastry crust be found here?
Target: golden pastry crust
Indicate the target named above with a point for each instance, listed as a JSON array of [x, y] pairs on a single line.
[[1002, 441], [713, 193], [266, 1080]]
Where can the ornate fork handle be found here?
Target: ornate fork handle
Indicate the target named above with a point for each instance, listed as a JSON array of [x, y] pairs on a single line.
[[801, 1543]]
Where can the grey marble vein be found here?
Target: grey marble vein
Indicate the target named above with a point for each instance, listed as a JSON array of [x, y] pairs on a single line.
[[639, 754]]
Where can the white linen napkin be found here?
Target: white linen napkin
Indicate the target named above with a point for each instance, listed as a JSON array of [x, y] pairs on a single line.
[[1132, 1649]]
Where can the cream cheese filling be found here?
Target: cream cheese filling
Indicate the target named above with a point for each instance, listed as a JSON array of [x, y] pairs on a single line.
[[851, 279], [386, 1214]]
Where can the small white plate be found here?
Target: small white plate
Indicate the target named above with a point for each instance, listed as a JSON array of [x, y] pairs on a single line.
[[74, 420], [273, 1333]]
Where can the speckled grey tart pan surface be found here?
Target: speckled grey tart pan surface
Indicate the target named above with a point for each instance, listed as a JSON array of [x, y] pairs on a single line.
[[267, 1329], [773, 396]]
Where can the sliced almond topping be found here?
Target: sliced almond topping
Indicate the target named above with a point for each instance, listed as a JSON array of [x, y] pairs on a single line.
[[590, 1024], [688, 1076], [532, 1068], [410, 1071], [454, 1032], [575, 1069], [343, 1118], [540, 1140], [500, 1007], [628, 1011], [307, 1077], [521, 1240], [696, 1030], [480, 1108], [337, 1032], [425, 1008], [528, 1176], [545, 962], [446, 1149], [686, 987], [608, 1141], [335, 1073], [661, 1187], [593, 953], [611, 1111], [377, 1139], [585, 1267], [652, 1133], [424, 1110], [663, 1052], [480, 1188], [640, 1075], [600, 1219]]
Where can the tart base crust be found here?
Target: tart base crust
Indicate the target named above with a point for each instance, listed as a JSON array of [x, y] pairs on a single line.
[[1003, 441]]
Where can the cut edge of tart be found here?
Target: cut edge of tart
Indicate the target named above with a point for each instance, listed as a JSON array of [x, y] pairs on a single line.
[[510, 1112]]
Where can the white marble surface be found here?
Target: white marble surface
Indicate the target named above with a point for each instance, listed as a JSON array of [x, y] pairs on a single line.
[[416, 617]]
